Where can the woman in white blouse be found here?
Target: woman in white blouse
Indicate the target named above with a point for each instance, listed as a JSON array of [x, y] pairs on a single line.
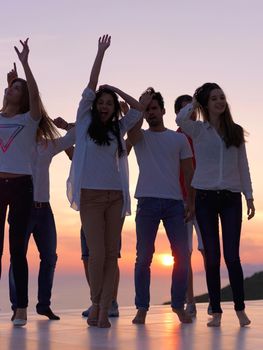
[[98, 182], [221, 174]]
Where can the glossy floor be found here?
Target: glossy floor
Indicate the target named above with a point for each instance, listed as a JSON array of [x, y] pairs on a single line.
[[162, 331]]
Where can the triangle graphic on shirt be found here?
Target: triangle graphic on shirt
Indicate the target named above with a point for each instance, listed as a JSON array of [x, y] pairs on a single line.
[[8, 134]]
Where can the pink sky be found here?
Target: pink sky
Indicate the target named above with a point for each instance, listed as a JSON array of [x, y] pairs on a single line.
[[174, 48]]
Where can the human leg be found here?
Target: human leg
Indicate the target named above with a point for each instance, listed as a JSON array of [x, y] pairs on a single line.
[[176, 230], [114, 223], [21, 197], [92, 211], [85, 259], [190, 301], [3, 209], [45, 236], [147, 223], [207, 218], [231, 219]]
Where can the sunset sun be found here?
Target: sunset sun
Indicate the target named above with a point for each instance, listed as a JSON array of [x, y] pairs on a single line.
[[166, 259]]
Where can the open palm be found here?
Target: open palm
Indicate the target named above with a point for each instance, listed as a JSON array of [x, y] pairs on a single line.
[[104, 42]]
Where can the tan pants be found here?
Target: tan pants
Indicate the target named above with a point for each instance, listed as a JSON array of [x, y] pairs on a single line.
[[100, 213]]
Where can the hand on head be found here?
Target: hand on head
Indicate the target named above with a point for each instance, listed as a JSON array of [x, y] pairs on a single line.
[[146, 98], [124, 107]]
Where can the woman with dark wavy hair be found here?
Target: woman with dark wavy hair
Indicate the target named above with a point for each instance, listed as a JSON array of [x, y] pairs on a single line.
[[221, 174], [98, 182]]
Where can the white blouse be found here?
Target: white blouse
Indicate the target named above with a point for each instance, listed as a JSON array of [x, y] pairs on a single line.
[[75, 180], [217, 167]]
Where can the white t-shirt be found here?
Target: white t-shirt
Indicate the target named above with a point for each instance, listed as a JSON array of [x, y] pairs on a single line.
[[17, 139], [158, 157], [41, 159]]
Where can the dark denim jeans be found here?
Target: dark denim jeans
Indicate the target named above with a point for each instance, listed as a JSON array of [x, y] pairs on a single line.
[[226, 205], [17, 193], [42, 226], [150, 211]]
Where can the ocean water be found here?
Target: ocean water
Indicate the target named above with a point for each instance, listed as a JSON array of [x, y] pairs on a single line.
[[72, 291]]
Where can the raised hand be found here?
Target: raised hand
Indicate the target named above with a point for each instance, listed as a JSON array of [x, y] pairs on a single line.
[[23, 55], [60, 123], [104, 43], [12, 75]]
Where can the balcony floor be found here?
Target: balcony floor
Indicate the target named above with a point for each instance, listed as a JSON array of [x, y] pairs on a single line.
[[162, 331]]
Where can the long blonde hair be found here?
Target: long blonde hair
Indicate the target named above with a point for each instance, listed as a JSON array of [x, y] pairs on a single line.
[[46, 128]]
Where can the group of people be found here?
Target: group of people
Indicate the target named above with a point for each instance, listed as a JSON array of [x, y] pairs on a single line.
[[189, 177]]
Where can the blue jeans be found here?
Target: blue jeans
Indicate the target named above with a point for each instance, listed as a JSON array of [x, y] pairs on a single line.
[[226, 205], [42, 226], [150, 211]]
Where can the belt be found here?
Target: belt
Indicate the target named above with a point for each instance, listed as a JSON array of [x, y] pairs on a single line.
[[39, 205]]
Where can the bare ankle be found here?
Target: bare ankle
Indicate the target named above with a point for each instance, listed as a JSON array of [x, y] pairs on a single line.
[[183, 316], [140, 317], [216, 320], [243, 319]]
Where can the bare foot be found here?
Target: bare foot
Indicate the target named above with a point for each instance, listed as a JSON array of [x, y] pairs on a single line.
[[183, 316], [140, 317], [93, 315], [216, 320], [103, 321], [243, 319], [20, 318]]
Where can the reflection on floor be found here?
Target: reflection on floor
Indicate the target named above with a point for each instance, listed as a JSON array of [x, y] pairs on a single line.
[[161, 332]]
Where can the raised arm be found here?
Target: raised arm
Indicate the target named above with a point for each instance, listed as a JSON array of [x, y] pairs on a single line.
[[183, 119], [63, 124], [104, 43], [35, 109], [135, 134]]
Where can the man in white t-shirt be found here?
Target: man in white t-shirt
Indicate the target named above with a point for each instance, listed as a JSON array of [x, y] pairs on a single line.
[[160, 154]]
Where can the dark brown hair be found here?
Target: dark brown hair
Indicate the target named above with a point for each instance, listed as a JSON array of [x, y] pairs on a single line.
[[98, 131], [232, 133]]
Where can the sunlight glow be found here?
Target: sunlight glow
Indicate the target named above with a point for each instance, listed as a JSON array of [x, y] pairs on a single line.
[[167, 260]]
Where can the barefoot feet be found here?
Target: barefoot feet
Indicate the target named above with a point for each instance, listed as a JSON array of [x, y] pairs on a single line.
[[140, 317], [93, 315], [183, 316], [103, 320], [243, 319], [216, 320]]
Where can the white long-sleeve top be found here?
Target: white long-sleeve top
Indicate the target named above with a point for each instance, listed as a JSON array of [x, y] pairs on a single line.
[[217, 167], [83, 141], [41, 159]]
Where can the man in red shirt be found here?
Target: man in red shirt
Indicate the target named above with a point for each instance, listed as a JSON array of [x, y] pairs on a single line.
[[180, 102]]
